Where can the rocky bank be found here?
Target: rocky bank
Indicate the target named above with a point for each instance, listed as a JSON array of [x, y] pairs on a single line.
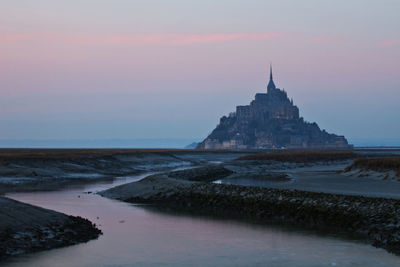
[[25, 228]]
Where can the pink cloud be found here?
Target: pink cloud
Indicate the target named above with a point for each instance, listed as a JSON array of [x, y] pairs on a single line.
[[11, 38], [389, 43], [328, 39], [29, 37], [216, 38], [173, 39], [117, 39], [169, 39]]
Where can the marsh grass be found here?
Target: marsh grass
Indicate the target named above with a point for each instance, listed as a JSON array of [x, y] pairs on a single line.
[[377, 164]]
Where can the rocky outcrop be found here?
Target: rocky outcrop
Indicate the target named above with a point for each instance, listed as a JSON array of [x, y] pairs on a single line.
[[25, 228]]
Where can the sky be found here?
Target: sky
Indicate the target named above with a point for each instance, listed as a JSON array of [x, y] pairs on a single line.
[[123, 69]]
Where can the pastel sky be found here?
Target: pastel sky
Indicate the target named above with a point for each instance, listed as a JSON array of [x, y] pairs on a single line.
[[170, 69]]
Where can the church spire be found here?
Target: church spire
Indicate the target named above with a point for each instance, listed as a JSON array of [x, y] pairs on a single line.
[[271, 84], [270, 72]]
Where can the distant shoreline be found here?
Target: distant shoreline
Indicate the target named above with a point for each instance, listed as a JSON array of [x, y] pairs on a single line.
[[154, 143], [56, 151]]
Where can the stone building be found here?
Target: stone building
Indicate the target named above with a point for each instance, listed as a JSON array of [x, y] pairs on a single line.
[[270, 121]]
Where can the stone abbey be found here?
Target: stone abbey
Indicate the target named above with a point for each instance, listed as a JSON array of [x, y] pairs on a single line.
[[270, 121]]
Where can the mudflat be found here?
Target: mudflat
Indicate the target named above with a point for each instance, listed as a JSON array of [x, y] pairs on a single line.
[[51, 169]]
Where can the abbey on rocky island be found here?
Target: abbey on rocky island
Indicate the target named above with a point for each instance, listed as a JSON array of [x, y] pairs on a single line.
[[270, 121]]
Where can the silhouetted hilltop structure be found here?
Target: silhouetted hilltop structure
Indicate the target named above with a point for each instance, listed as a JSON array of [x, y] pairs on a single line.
[[270, 121]]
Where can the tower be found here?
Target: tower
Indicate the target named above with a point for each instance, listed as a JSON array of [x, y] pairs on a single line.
[[271, 85]]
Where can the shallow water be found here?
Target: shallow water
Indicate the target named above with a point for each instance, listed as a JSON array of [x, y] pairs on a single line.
[[135, 236]]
